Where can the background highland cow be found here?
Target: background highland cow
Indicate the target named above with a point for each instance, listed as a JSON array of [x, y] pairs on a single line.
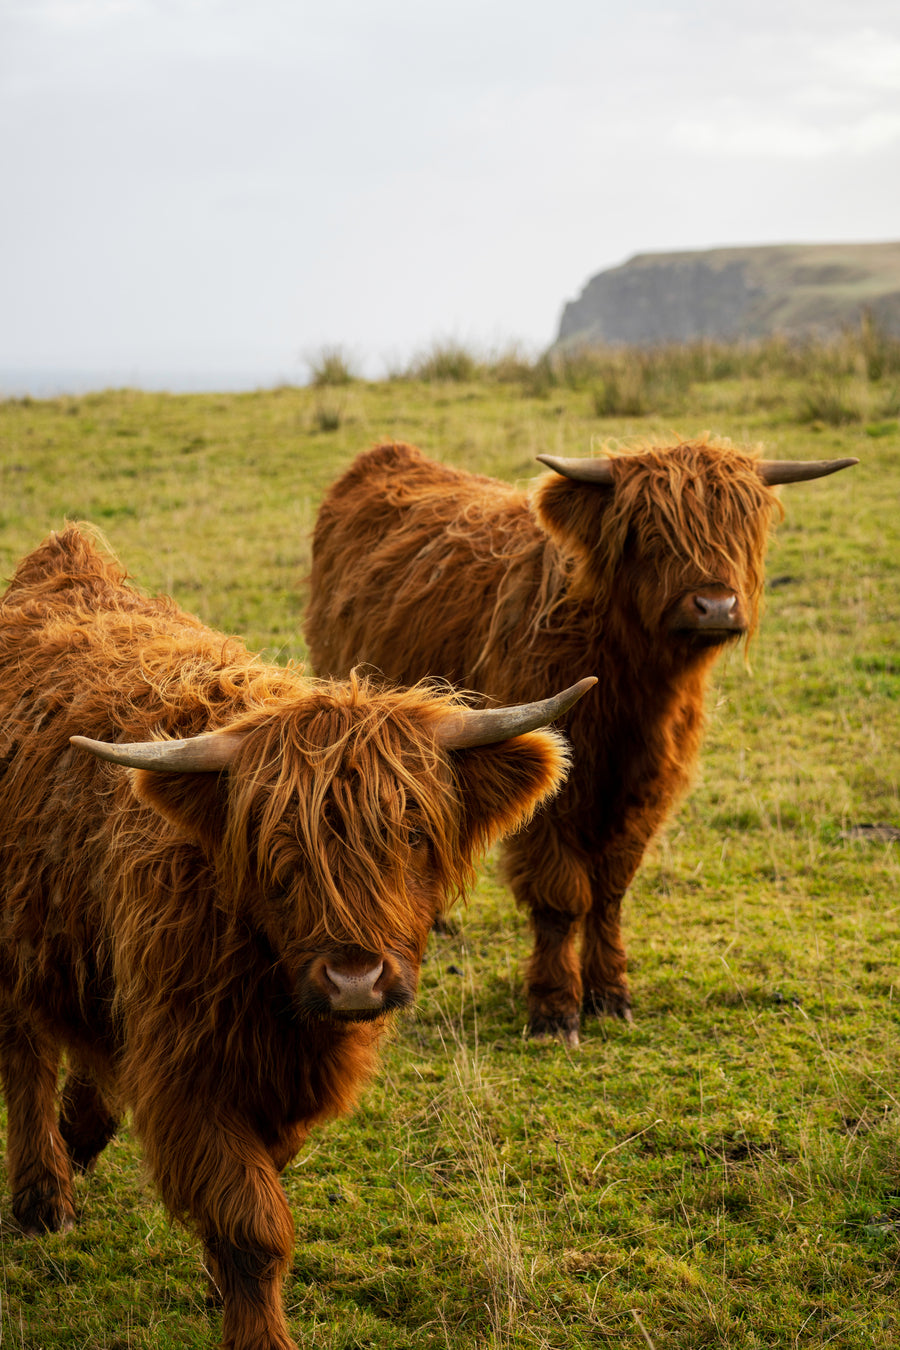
[[213, 939], [643, 566]]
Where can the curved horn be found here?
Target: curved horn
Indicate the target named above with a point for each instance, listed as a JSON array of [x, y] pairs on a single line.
[[214, 751], [775, 471], [208, 753], [581, 470], [486, 726]]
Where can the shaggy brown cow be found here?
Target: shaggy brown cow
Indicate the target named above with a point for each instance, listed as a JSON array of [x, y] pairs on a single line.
[[640, 568], [213, 937]]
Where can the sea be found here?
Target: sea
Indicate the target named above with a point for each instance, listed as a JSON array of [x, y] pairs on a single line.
[[53, 382]]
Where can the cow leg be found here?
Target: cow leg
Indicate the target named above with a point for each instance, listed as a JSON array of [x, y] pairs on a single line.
[[603, 960], [40, 1176], [552, 882], [281, 1151], [218, 1173], [246, 1285], [85, 1121]]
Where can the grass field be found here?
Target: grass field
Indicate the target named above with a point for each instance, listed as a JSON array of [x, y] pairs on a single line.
[[727, 1172]]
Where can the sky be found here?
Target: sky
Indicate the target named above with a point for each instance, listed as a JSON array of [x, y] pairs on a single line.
[[212, 193]]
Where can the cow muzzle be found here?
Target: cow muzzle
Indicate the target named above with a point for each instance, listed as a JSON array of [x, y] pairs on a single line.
[[715, 614], [358, 989]]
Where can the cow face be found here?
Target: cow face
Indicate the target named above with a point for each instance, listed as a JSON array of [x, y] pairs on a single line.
[[342, 827], [672, 544]]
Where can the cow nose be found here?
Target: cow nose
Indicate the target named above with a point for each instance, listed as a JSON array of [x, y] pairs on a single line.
[[716, 611], [355, 992]]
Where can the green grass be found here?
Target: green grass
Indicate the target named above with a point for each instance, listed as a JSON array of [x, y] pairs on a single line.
[[727, 1173]]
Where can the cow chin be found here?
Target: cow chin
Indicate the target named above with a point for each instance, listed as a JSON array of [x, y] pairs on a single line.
[[374, 1015], [701, 639]]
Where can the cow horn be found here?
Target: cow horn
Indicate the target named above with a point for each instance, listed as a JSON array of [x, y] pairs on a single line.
[[208, 753], [771, 471], [214, 751], [467, 727], [581, 470], [775, 471]]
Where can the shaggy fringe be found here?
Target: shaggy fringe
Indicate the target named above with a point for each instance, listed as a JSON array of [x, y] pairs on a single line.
[[369, 775], [699, 500]]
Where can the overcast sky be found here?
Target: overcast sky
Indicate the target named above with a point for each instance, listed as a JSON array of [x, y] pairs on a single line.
[[222, 187]]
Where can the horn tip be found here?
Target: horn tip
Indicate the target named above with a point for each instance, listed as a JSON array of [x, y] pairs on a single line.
[[584, 685], [592, 471], [99, 749], [569, 697]]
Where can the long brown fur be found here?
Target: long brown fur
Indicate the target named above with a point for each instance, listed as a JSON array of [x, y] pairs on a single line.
[[164, 931], [421, 569]]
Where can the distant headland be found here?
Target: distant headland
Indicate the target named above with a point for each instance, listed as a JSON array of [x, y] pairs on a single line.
[[727, 294]]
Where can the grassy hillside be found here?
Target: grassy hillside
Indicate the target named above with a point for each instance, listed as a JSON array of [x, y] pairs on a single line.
[[726, 1173]]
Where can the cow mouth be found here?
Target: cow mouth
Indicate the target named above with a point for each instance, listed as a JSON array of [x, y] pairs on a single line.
[[320, 1009]]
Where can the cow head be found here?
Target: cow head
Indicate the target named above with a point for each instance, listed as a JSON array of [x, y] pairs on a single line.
[[672, 538], [338, 827]]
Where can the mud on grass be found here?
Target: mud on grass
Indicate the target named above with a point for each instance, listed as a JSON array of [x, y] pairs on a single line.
[[725, 1173]]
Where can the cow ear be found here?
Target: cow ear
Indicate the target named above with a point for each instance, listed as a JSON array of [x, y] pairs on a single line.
[[571, 512], [195, 803], [501, 786]]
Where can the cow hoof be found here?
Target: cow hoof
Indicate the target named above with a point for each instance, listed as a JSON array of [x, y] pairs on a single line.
[[608, 1003], [213, 1300], [550, 1027], [84, 1152], [40, 1214]]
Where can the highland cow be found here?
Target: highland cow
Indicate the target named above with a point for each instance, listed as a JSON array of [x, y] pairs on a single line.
[[640, 568], [214, 934]]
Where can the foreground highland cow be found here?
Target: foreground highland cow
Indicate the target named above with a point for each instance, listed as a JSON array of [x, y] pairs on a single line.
[[213, 935], [640, 568]]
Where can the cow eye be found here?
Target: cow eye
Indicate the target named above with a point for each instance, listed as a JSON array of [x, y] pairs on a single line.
[[415, 835], [283, 886]]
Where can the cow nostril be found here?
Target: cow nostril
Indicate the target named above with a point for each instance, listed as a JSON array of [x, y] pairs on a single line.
[[715, 608], [357, 990]]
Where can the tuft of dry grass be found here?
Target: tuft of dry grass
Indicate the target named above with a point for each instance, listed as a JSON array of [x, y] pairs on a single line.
[[331, 367]]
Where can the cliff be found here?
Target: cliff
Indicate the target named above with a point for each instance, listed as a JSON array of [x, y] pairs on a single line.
[[731, 293]]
